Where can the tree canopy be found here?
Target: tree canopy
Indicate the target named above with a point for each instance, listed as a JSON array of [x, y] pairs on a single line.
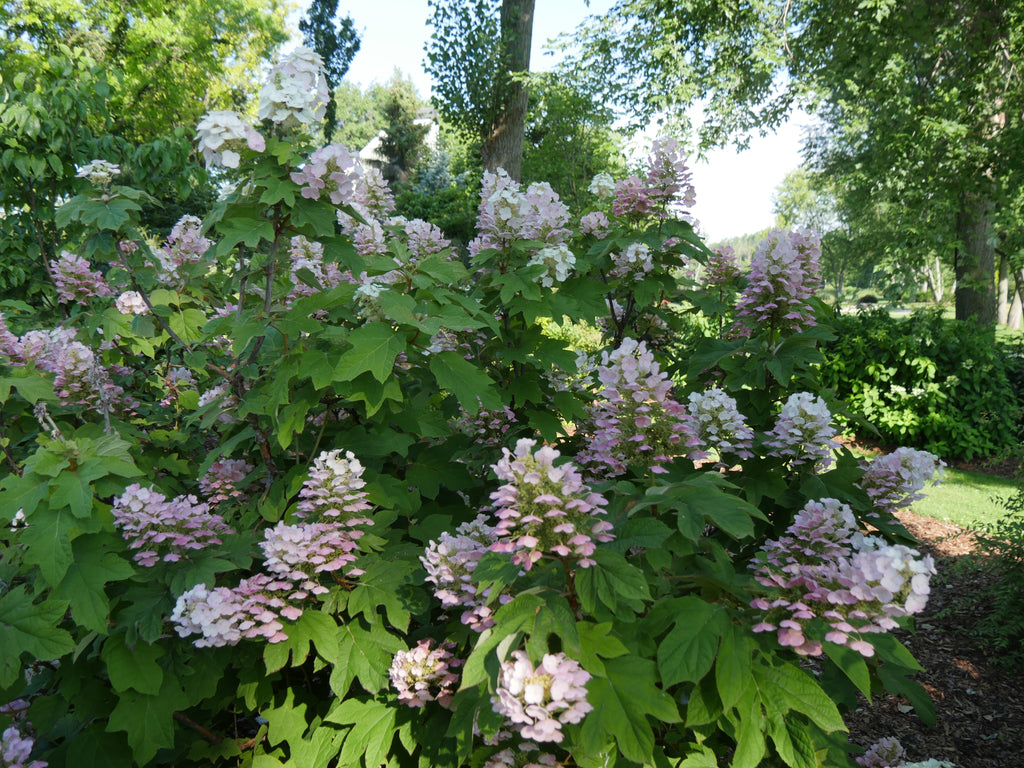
[[335, 38]]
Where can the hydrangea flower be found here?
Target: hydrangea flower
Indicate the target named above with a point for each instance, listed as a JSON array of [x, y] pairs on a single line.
[[722, 267], [669, 179], [221, 135], [558, 262], [602, 186], [221, 481], [332, 170], [100, 173], [823, 568], [424, 674], [541, 700], [334, 490], [545, 509], [634, 262], [298, 553], [165, 530], [223, 616], [715, 424], [450, 562], [185, 245], [895, 481], [222, 395], [803, 431], [295, 93], [785, 272], [131, 303], [75, 280], [16, 749], [507, 214], [632, 199], [884, 753], [638, 422], [595, 223]]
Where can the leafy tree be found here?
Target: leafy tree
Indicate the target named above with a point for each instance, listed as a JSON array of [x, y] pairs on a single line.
[[175, 60], [405, 127], [922, 103], [359, 116], [336, 40], [569, 137], [477, 56]]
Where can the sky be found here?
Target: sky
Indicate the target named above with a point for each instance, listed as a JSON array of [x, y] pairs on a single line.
[[734, 189]]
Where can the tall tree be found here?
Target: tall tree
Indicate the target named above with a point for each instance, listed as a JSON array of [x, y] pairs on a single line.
[[478, 56], [401, 146], [335, 38], [922, 100]]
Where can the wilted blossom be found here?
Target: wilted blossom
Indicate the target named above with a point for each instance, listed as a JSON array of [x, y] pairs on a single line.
[[884, 753], [558, 262], [99, 173], [16, 749], [824, 568], [221, 135], [165, 530], [296, 91], [131, 303], [221, 481], [894, 481], [544, 509], [633, 262], [541, 700], [784, 274], [450, 562], [803, 431], [74, 279], [602, 185], [637, 422], [507, 214], [717, 425], [425, 674]]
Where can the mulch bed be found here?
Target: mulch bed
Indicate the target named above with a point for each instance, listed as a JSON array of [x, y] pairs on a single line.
[[979, 706]]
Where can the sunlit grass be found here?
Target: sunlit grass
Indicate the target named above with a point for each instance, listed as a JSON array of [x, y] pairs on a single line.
[[967, 499]]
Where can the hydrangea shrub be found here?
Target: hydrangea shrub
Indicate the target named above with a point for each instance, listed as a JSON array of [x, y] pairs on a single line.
[[316, 490]]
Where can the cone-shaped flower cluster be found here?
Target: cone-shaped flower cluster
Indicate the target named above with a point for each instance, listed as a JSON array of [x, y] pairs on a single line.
[[79, 379], [16, 749], [100, 173], [221, 135], [165, 530], [895, 481], [544, 509], [450, 562], [803, 431], [222, 479], [296, 91], [75, 280], [185, 245], [717, 426], [332, 170], [638, 422], [224, 616], [507, 214], [824, 568], [722, 266], [632, 263], [424, 674], [558, 262], [784, 274], [667, 187], [541, 700]]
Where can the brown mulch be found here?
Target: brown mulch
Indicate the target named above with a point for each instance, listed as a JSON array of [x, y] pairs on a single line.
[[979, 706]]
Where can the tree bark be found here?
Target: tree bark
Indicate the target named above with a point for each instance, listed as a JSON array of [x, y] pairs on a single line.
[[1003, 300], [1016, 313], [503, 146], [975, 262]]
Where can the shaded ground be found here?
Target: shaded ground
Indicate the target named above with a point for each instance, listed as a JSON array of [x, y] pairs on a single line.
[[980, 708]]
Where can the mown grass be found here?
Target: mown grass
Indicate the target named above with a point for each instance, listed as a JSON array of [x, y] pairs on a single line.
[[967, 499]]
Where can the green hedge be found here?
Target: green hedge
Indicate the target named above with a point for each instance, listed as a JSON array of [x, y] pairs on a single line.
[[940, 385]]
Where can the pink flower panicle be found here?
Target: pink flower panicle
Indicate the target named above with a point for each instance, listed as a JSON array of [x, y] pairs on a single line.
[[638, 422], [334, 490], [425, 239], [803, 432], [541, 700], [424, 674], [299, 553], [185, 245], [16, 749], [895, 481], [884, 753], [507, 214], [296, 92], [222, 134], [824, 568], [309, 256], [165, 530], [487, 428], [633, 199], [79, 378], [10, 347], [595, 223], [716, 425], [632, 263], [221, 481], [131, 303], [450, 562], [332, 170], [75, 281], [784, 274], [545, 509], [722, 267], [669, 180], [223, 616]]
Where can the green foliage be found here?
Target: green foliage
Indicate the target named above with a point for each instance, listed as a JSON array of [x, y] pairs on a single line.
[[405, 129], [245, 352], [925, 382]]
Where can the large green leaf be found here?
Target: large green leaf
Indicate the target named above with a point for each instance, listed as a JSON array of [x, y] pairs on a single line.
[[688, 651], [148, 719], [27, 627], [375, 347], [373, 730], [94, 565], [472, 387], [133, 668]]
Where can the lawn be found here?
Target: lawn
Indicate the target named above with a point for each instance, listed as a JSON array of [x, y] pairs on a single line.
[[965, 498]]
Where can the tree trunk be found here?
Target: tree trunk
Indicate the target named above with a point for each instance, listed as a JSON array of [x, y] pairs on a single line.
[[975, 263], [1013, 319], [503, 146], [1003, 301]]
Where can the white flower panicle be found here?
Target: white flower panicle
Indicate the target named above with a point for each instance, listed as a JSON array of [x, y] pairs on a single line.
[[717, 426], [803, 431], [424, 674], [222, 134], [295, 93], [895, 481], [632, 263], [131, 303], [100, 173], [558, 262], [602, 186], [541, 700]]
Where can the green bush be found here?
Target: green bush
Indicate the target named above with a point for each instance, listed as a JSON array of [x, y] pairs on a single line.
[[940, 385]]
